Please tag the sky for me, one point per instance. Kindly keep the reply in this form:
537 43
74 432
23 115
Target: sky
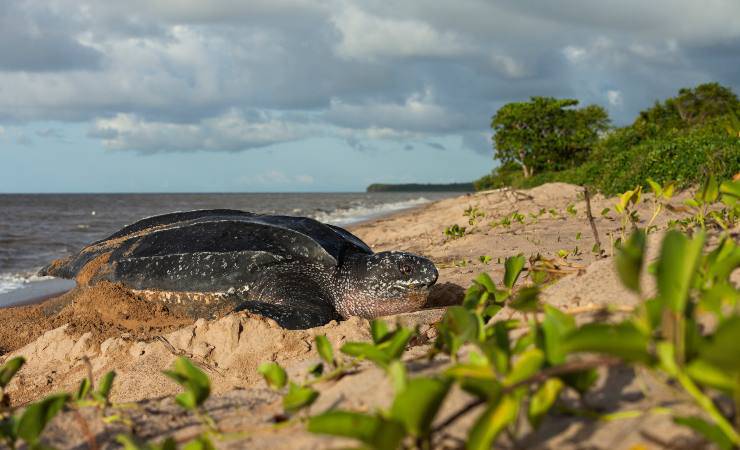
298 95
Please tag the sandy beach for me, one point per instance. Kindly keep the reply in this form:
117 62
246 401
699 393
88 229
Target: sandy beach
107 328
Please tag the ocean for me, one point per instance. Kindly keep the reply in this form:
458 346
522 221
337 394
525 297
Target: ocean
37 228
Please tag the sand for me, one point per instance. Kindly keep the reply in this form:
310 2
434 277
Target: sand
106 328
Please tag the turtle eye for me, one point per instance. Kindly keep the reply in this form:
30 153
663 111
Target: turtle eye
405 269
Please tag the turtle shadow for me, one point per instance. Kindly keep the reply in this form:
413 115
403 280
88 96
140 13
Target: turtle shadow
445 294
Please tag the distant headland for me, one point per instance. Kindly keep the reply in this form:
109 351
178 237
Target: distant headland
417 187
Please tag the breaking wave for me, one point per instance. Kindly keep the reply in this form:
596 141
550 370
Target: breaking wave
360 211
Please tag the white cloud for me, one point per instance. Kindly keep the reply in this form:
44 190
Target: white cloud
614 97
2 131
508 66
418 113
227 132
367 36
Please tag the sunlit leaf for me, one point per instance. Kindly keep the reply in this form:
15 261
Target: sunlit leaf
629 260
374 431
555 326
417 405
709 430
323 346
274 375
37 415
525 366
676 269
9 369
543 399
513 267
721 348
200 442
708 375
491 422
299 397
378 330
622 340
196 383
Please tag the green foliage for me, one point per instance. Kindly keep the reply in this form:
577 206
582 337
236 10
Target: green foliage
274 375
683 140
9 369
474 214
455 231
196 383
546 133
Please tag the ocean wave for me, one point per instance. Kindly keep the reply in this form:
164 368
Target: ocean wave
354 214
13 281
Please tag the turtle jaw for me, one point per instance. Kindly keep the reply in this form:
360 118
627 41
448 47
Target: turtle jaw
370 306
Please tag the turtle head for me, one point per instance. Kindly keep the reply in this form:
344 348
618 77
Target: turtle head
384 283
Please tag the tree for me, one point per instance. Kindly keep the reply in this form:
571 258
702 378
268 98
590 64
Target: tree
691 107
546 133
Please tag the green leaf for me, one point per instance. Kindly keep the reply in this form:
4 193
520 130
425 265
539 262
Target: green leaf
513 267
526 300
709 191
374 431
397 374
655 187
37 415
394 346
489 424
730 188
581 381
196 383
484 280
299 397
629 260
623 340
378 330
417 405
721 349
367 351
105 384
709 430
9 369
200 442
324 348
555 326
83 390
274 375
677 267
457 327
706 374
525 366
543 399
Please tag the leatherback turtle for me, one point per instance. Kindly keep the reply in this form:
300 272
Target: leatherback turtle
298 271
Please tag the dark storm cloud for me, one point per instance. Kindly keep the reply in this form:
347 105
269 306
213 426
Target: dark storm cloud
188 75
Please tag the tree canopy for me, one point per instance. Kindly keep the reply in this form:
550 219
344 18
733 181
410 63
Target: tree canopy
691 107
546 133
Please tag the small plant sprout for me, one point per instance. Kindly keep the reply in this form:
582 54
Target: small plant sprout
473 214
455 231
661 195
485 259
626 207
571 210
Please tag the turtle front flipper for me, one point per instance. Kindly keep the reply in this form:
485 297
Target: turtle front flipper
287 316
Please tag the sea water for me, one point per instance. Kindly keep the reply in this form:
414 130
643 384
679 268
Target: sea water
38 228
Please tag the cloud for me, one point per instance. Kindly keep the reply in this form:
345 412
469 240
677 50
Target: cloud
32 39
614 97
228 132
367 36
186 75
